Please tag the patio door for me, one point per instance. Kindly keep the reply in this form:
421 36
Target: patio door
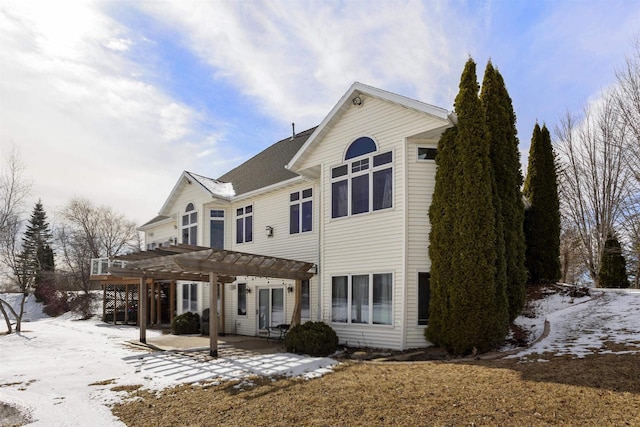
270 307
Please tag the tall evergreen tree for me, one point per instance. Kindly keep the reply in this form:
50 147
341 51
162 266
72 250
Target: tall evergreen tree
613 267
441 237
464 313
542 217
505 161
37 254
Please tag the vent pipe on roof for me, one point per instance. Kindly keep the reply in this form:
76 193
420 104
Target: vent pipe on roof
293 129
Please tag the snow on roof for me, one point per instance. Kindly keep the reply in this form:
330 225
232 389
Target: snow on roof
215 187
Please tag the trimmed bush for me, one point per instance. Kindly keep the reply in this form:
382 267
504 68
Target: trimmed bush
312 338
186 323
82 304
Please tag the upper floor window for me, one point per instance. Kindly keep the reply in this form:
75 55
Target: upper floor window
360 147
190 225
426 153
244 224
362 185
301 211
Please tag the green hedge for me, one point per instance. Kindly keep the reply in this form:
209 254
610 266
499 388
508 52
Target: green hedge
186 323
312 338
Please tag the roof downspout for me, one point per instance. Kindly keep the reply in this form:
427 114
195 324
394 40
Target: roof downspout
405 184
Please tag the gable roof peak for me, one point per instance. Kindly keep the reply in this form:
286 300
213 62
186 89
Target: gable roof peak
351 98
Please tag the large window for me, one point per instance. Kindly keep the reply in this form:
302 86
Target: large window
424 296
190 226
364 184
244 224
216 232
301 211
189 297
362 299
242 299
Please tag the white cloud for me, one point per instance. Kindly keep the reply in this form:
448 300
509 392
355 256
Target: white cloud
297 58
82 123
119 45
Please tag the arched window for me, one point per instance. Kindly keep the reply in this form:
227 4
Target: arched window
360 146
190 225
364 184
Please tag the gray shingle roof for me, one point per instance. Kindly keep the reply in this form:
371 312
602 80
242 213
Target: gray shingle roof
268 166
154 220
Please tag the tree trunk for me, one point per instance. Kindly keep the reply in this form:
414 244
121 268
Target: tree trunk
19 318
6 316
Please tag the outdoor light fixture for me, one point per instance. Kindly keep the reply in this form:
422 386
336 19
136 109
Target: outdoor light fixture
357 101
289 288
248 290
269 231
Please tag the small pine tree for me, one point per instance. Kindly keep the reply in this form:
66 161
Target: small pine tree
37 256
542 217
505 161
613 267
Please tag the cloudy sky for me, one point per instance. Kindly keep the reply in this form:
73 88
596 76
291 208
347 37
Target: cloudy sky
112 100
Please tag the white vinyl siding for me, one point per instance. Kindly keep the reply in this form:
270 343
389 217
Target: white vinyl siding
420 187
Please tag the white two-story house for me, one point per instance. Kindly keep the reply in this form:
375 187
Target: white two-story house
350 196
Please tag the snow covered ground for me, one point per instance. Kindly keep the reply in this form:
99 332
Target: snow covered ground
602 323
60 371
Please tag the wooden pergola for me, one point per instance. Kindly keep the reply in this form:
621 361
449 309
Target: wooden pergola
201 264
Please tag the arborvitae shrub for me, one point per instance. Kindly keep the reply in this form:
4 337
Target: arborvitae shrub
312 338
613 267
186 323
542 218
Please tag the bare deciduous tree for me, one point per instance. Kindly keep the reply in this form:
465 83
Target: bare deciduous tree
595 179
14 189
571 255
628 103
89 232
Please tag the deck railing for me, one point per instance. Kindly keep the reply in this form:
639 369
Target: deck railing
100 266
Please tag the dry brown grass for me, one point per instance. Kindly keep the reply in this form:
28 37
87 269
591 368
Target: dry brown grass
598 390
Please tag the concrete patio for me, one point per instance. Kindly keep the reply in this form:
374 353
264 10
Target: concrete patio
227 345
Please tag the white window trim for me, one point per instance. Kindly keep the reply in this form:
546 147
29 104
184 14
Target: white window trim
370 171
370 324
418 299
220 219
246 300
244 216
190 224
299 202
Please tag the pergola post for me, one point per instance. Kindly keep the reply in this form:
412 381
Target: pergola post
126 304
172 299
222 310
159 305
297 306
152 301
213 314
142 309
